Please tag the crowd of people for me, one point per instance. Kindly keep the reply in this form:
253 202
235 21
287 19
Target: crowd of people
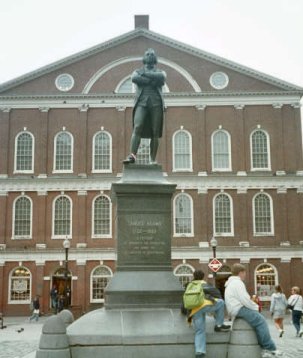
239 304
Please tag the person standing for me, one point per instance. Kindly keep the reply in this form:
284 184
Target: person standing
197 316
36 309
54 298
240 305
296 301
277 308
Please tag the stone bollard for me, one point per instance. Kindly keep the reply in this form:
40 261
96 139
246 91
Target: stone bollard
53 341
243 341
67 317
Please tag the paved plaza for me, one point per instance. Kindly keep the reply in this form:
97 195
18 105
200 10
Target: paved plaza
14 344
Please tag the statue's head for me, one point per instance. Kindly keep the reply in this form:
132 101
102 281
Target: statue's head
150 57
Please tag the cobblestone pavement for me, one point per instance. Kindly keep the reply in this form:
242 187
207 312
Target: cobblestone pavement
24 344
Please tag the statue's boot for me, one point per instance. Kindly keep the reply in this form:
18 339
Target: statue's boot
130 159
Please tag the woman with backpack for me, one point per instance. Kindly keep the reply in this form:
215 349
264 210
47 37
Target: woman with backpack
277 308
295 304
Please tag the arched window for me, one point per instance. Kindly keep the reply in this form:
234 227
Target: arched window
183 215
182 151
19 286
100 277
223 215
266 278
143 155
221 151
22 218
184 273
63 156
102 152
102 217
263 215
260 150
24 153
62 217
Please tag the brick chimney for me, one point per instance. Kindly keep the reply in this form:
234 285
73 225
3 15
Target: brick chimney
142 21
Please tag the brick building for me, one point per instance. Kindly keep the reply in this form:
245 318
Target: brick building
232 142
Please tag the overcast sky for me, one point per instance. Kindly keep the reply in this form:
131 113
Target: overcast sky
266 35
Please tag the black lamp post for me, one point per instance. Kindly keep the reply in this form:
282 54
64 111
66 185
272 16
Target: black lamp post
66 245
214 244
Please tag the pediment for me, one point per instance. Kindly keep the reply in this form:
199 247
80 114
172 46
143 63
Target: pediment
101 68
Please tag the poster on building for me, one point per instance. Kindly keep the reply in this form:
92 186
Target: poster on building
20 285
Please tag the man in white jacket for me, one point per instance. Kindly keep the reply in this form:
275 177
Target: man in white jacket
239 304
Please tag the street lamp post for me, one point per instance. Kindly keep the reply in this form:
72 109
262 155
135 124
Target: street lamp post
66 245
214 244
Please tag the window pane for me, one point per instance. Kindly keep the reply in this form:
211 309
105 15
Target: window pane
63 151
183 215
223 214
20 285
266 279
221 155
102 152
143 152
185 274
126 87
62 216
22 225
100 279
259 150
182 150
24 152
262 214
102 216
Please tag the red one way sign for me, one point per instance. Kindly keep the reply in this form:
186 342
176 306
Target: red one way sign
215 265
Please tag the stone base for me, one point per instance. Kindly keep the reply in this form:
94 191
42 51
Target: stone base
143 289
148 333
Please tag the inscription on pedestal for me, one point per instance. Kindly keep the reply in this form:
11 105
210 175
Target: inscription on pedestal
143 239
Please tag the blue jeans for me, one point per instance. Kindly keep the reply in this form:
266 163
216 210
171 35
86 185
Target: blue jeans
258 322
199 323
296 318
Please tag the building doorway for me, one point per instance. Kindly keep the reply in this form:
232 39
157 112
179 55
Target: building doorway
221 277
61 281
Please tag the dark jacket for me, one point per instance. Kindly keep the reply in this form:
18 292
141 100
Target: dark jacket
159 82
36 304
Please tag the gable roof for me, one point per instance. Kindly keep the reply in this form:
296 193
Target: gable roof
161 39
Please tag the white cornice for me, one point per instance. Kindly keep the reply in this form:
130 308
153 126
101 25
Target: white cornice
186 182
180 99
81 256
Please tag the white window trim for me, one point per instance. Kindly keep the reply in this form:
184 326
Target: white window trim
23 302
181 265
109 236
190 169
265 298
192 216
228 234
214 169
55 154
19 237
55 237
91 284
111 154
268 151
121 83
272 231
33 154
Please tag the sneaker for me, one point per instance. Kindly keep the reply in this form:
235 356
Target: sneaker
130 159
222 328
281 333
301 334
200 355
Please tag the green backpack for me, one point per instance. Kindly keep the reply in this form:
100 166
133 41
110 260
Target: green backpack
194 295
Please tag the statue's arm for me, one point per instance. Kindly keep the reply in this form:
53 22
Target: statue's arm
157 77
139 79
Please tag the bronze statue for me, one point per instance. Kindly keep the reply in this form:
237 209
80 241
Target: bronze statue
148 109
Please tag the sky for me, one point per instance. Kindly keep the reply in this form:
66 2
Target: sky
266 35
